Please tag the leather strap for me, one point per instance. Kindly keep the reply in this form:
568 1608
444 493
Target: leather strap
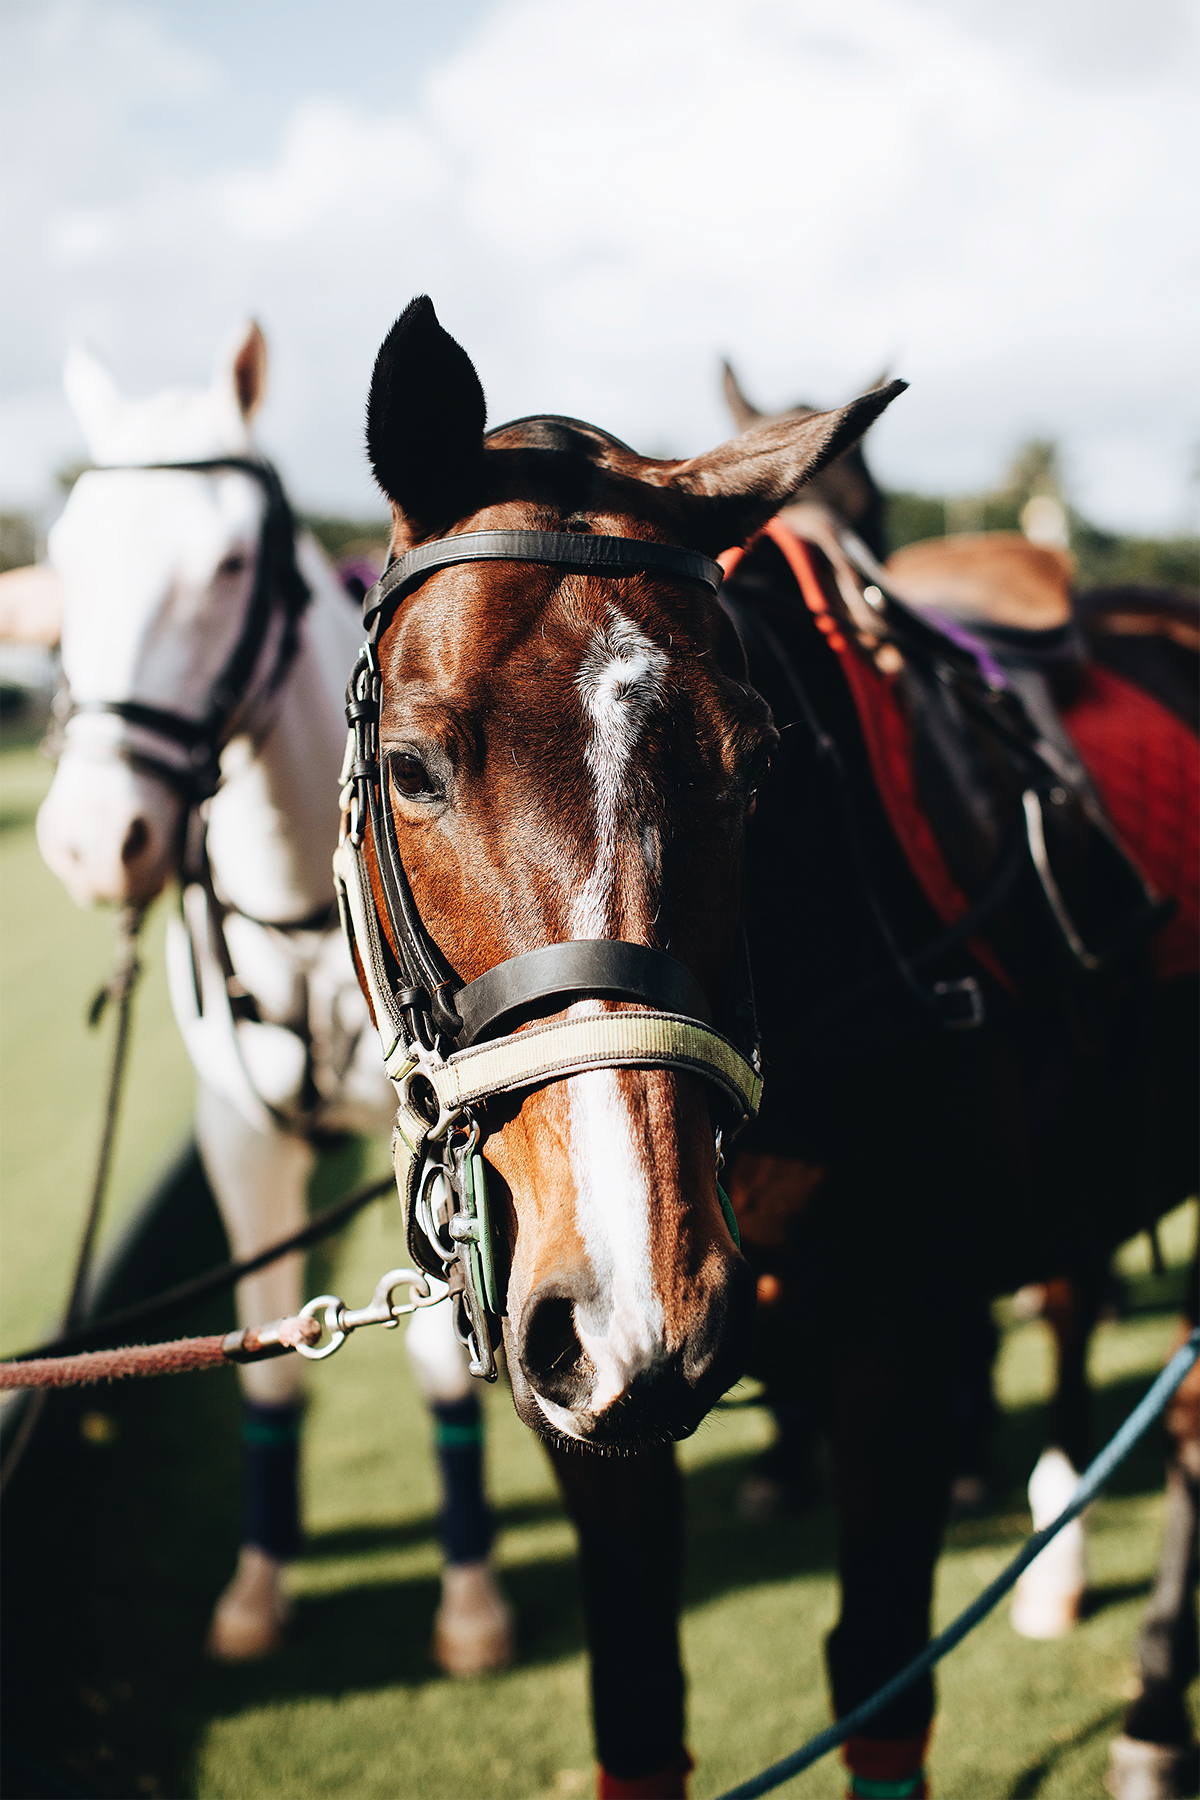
566 550
648 1040
598 968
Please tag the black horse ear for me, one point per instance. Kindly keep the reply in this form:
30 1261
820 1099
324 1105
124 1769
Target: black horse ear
425 419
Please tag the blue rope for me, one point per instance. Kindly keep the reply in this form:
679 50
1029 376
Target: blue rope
1092 1480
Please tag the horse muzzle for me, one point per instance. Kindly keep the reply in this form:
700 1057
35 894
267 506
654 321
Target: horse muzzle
580 1371
109 833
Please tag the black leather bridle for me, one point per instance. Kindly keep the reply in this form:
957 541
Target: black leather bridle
277 583
449 1045
432 1002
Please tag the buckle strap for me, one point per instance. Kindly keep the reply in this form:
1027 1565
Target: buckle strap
592 555
572 1047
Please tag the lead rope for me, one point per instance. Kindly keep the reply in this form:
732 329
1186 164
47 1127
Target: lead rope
119 989
1090 1484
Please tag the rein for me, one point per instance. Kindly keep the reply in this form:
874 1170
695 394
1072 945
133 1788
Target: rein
438 1035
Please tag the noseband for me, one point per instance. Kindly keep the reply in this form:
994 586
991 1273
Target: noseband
276 580
439 1036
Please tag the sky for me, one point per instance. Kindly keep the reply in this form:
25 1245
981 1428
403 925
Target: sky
992 198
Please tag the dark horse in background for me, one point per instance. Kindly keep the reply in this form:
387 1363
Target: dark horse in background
1119 668
586 757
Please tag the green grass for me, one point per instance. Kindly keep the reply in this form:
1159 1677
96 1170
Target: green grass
54 1070
122 1526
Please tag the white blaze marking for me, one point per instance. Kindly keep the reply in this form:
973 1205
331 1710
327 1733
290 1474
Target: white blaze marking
620 681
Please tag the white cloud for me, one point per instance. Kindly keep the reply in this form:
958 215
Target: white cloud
602 204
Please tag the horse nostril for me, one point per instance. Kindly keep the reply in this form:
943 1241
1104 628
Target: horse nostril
137 841
552 1356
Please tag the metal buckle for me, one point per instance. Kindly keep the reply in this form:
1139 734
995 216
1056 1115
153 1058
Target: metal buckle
960 1004
340 1320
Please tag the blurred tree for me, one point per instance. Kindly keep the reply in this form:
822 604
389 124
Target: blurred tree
18 540
1104 558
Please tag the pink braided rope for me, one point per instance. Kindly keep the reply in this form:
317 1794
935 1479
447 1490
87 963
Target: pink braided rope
173 1358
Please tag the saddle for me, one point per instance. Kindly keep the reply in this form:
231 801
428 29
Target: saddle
985 721
1109 677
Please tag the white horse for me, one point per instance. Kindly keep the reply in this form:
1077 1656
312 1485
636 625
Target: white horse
206 647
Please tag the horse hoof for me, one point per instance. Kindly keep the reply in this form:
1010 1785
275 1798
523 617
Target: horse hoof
251 1617
1142 1771
473 1631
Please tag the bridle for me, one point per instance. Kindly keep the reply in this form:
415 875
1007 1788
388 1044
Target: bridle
441 1042
278 583
280 593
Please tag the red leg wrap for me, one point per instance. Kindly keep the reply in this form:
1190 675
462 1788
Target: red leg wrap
884 1768
664 1784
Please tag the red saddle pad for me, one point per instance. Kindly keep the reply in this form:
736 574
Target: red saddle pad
1146 764
1144 761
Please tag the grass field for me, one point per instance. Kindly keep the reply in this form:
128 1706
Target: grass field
122 1525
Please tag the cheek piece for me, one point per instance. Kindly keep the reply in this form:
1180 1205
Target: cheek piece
448 1045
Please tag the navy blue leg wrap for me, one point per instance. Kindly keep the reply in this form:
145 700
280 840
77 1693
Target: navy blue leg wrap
270 1495
466 1526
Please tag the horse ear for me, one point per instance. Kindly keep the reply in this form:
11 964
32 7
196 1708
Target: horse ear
242 367
94 397
745 482
744 415
425 420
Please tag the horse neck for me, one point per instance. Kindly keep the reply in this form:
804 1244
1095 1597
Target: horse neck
273 825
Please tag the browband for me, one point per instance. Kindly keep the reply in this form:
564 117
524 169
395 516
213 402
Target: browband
566 549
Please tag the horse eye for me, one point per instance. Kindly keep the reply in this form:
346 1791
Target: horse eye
231 566
758 768
410 775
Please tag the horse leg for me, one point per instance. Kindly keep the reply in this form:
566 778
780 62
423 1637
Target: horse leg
628 1514
1049 1595
972 1406
769 1194
1156 1756
260 1182
889 1417
473 1630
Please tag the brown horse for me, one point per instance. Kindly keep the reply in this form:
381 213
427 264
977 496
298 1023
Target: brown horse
567 757
574 758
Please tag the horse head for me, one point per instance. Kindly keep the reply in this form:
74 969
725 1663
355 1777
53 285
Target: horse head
157 570
574 756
